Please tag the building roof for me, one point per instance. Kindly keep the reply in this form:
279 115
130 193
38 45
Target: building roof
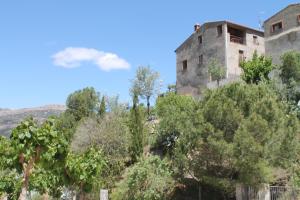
222 22
289 6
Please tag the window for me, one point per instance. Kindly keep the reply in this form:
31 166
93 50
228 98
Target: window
298 19
276 27
200 39
219 30
241 56
184 65
200 60
255 40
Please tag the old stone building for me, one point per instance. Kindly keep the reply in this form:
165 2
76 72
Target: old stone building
224 41
282 32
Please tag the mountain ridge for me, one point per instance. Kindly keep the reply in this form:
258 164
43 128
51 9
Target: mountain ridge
10 118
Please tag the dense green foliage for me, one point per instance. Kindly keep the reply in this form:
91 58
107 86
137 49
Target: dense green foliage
85 169
290 68
83 103
256 69
149 179
237 133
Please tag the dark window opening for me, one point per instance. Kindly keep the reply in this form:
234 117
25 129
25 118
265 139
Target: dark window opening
298 19
255 40
237 35
201 60
276 27
220 30
241 56
200 39
184 65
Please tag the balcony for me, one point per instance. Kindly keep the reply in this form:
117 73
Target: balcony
237 35
236 39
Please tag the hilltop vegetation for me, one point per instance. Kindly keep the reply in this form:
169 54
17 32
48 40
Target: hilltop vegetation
11 118
242 133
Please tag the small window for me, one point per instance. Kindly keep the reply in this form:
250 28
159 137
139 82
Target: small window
255 40
241 56
200 60
298 19
200 39
184 65
276 27
220 30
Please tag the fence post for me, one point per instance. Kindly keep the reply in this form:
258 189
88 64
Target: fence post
103 194
264 192
239 191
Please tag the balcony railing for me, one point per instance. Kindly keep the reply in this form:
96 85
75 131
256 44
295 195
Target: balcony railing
236 39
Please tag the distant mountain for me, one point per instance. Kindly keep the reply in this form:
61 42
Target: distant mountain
10 118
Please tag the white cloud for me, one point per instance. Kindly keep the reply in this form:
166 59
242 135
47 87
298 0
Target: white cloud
72 57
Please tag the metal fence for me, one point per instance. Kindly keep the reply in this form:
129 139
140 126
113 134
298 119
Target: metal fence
284 193
268 193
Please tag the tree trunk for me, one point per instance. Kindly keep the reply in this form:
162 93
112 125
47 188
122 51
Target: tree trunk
23 192
45 196
148 105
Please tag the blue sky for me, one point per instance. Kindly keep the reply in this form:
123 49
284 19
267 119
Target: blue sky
38 38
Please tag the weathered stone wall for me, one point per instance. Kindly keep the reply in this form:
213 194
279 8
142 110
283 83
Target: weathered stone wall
288 38
195 78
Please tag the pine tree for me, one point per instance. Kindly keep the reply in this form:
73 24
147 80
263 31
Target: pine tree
136 130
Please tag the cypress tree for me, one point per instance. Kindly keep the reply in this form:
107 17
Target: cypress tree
102 109
136 130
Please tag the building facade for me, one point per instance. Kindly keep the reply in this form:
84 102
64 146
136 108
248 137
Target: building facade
226 42
282 32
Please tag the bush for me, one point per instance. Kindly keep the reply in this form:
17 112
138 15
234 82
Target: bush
149 179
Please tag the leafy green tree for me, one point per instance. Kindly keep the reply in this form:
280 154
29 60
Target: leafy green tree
290 77
242 133
83 103
111 135
136 130
149 179
33 145
85 169
256 69
290 68
175 113
102 109
10 184
145 84
216 71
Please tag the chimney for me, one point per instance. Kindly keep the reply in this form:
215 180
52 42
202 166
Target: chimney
197 27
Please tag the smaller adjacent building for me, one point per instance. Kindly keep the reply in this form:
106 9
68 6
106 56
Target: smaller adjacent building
226 42
282 32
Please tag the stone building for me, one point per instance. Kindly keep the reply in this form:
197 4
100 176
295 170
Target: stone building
224 41
282 32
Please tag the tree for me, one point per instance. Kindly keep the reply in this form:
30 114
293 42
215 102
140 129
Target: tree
145 84
290 76
256 69
102 109
136 130
175 113
149 179
111 136
85 169
290 68
216 71
83 103
34 145
242 133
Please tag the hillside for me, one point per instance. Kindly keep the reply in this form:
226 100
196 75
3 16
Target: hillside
10 118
